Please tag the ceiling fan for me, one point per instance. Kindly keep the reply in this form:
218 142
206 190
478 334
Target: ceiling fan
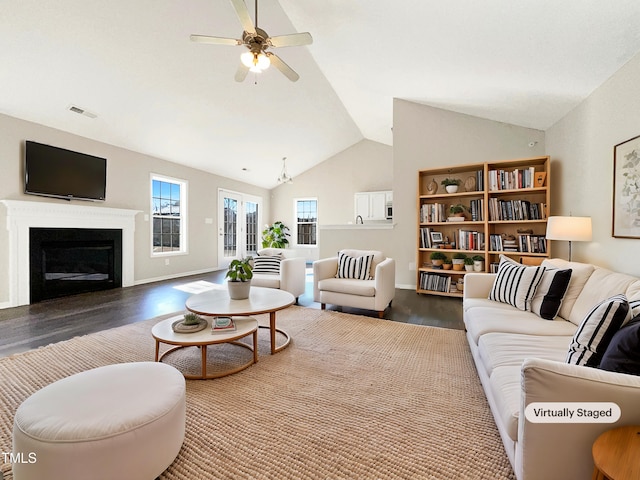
257 41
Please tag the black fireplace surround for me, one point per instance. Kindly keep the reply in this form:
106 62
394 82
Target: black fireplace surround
66 261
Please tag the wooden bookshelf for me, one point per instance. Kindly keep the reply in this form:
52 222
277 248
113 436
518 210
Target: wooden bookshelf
507 210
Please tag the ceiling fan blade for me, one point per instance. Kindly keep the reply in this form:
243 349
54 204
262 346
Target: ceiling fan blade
241 73
286 70
215 40
293 40
243 15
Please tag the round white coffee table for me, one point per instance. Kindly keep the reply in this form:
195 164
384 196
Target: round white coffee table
261 300
163 333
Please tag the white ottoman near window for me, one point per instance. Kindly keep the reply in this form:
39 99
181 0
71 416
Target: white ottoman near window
120 421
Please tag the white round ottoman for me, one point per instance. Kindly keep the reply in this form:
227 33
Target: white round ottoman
119 421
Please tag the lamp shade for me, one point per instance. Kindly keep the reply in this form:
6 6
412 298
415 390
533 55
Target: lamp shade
573 229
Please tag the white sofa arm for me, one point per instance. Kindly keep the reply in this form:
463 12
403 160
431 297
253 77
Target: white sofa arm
292 275
478 285
385 277
322 269
563 450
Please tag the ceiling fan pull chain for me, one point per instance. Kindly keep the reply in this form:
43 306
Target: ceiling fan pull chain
256 13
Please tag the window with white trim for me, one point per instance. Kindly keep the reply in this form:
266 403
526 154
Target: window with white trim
168 212
306 214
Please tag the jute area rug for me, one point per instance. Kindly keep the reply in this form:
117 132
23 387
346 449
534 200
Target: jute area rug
352 397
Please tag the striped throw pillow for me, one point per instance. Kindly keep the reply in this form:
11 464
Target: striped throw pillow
516 284
596 331
354 267
548 298
269 264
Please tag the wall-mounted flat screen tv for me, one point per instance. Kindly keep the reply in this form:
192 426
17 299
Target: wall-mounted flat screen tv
56 172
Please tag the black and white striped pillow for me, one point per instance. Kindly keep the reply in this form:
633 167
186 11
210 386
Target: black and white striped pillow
596 331
269 264
516 284
548 298
354 267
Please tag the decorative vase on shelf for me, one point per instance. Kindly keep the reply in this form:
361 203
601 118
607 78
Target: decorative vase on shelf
478 266
432 187
451 188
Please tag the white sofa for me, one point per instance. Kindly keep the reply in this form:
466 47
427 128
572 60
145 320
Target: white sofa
373 294
520 359
292 275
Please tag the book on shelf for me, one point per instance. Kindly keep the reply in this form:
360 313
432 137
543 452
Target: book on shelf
512 179
222 324
435 282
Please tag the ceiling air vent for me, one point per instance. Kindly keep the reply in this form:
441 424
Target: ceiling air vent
82 111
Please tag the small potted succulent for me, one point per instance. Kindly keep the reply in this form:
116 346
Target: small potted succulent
451 184
239 274
458 261
447 264
437 258
478 263
468 264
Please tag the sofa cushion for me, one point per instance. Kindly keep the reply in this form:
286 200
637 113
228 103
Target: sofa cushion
596 330
548 297
623 353
505 387
269 264
480 320
349 286
602 284
580 273
266 280
510 349
358 268
515 284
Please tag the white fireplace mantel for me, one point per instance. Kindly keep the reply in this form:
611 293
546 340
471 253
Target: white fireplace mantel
22 215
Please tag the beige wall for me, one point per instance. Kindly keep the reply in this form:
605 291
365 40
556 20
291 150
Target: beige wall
363 167
582 146
128 180
427 137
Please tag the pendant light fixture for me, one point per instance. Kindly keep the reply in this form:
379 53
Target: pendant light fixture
284 176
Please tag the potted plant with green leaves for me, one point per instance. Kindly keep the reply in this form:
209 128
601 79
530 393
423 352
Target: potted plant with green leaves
239 274
478 263
447 264
458 260
451 184
275 236
437 258
457 212
468 264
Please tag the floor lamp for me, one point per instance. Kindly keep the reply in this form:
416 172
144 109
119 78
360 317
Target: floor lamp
571 229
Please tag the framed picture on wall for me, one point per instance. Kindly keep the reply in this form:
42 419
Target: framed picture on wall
626 189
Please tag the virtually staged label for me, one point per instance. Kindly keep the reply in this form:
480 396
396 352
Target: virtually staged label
572 412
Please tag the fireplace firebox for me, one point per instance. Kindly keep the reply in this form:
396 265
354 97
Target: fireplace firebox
67 261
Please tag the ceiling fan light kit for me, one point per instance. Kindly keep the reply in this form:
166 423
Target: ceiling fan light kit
257 41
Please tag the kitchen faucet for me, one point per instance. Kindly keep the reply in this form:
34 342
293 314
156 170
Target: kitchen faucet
361 221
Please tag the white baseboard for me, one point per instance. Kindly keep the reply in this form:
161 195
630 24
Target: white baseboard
405 286
5 305
177 275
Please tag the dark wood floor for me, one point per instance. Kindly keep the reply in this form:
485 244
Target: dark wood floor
32 326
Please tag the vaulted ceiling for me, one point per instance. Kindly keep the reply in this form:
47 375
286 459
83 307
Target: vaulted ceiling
131 63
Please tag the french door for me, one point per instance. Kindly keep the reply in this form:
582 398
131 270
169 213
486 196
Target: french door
239 218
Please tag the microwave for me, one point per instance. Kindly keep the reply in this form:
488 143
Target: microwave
389 211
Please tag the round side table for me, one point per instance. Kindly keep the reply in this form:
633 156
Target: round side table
616 454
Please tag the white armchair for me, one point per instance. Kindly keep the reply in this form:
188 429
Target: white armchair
291 277
373 294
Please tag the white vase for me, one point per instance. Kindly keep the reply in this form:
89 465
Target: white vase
239 290
478 266
451 188
468 268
